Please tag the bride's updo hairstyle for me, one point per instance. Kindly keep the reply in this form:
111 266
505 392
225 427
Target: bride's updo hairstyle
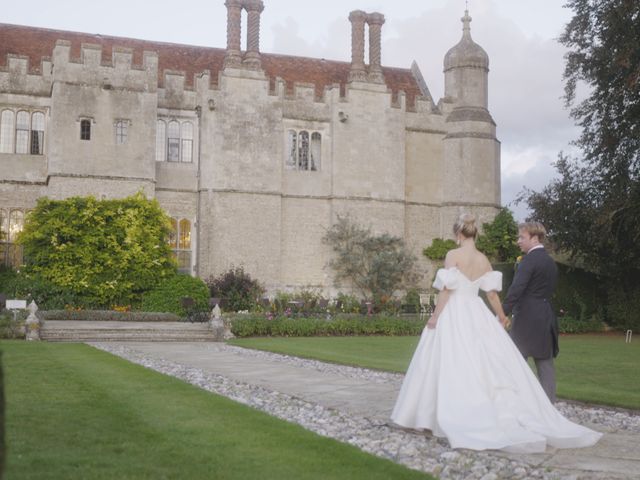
466 225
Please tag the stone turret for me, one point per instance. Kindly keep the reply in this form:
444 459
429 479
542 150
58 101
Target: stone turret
471 150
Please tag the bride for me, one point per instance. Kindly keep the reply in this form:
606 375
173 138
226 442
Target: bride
467 381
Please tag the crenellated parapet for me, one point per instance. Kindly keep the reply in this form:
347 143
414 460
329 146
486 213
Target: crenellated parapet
15 77
90 70
175 94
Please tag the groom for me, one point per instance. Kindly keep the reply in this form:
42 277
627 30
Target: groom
535 327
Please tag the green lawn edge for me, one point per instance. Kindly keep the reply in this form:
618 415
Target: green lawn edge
75 412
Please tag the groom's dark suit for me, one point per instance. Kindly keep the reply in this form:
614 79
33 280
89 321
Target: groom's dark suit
535 326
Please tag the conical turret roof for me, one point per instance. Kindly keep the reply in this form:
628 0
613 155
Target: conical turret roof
466 53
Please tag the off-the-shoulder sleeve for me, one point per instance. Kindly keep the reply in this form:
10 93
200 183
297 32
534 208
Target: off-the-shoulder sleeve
491 281
446 278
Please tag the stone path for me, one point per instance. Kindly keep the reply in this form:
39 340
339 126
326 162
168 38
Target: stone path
359 402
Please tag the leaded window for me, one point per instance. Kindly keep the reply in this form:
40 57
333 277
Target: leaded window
180 243
22 132
121 131
6 131
85 129
303 150
315 153
11 226
187 141
173 141
161 134
37 133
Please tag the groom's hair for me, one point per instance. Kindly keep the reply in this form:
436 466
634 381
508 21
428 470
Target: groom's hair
534 229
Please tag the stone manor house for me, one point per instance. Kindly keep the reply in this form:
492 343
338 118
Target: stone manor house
253 155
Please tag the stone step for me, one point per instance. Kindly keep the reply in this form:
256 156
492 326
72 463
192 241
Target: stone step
86 331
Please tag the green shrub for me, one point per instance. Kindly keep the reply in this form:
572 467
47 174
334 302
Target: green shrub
347 303
46 294
236 290
7 279
438 249
259 326
98 252
623 307
579 293
569 324
10 327
167 297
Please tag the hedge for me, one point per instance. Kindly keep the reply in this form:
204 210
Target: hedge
258 325
108 316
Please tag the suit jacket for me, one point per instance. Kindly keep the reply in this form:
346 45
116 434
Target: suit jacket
534 328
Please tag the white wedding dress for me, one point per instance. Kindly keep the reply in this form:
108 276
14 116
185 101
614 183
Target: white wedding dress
468 382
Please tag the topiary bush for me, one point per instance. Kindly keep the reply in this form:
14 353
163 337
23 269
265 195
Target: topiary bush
167 296
236 289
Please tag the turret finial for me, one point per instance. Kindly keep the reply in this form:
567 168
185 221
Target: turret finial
466 20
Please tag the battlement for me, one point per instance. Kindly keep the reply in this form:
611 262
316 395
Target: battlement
91 69
15 76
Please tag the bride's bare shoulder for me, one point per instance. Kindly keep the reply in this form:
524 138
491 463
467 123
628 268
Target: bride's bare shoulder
451 258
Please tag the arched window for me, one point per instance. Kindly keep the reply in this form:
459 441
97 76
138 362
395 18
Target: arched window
303 150
187 142
85 129
180 244
292 149
173 141
3 238
185 235
6 131
161 145
14 251
121 131
22 132
173 235
316 149
37 133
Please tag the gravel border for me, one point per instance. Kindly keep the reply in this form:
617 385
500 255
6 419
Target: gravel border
410 448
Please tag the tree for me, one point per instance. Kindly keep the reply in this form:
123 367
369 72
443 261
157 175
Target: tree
591 210
106 251
498 238
377 265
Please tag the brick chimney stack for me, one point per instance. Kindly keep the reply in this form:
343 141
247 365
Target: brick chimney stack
375 21
252 58
233 57
357 72
234 25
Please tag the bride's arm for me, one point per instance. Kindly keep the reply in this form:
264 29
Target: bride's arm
496 305
443 297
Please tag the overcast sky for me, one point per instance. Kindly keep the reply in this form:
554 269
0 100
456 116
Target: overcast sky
526 61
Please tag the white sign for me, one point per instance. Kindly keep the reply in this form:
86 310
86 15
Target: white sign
16 304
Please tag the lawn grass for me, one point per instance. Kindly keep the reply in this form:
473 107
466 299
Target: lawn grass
599 369
74 412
